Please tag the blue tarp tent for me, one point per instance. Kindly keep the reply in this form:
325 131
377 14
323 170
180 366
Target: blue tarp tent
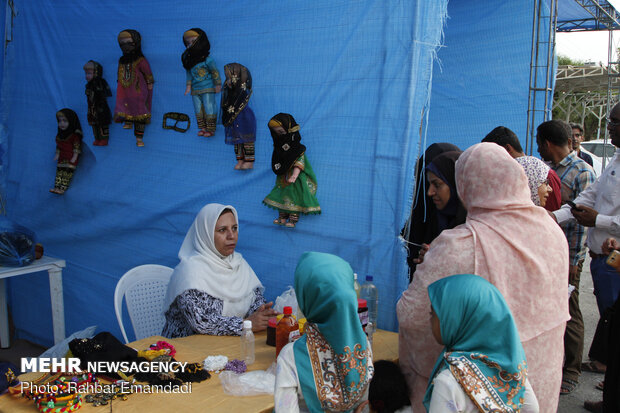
356 76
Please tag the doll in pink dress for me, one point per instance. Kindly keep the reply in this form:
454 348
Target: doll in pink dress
68 149
134 91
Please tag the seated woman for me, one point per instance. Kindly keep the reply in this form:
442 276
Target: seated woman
330 366
213 288
422 225
537 173
514 245
482 367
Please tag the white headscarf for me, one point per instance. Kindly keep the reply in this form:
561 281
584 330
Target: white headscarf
202 267
537 172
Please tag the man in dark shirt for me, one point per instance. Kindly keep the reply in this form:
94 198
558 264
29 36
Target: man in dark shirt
577 139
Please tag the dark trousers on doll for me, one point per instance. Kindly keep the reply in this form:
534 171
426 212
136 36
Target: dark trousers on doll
573 335
102 134
245 152
63 178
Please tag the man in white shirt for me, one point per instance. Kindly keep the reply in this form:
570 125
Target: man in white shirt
598 207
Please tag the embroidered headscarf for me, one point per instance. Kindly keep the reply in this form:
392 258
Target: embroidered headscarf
74 124
236 91
482 346
537 172
202 267
333 358
197 52
453 213
132 50
286 148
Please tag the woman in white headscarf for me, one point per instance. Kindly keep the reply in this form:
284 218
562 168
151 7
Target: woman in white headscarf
213 289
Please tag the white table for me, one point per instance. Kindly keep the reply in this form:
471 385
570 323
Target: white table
54 267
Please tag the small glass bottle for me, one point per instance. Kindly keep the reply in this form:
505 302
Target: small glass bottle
287 330
356 285
247 343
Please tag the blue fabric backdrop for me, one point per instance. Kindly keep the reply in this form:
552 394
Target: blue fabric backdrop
355 75
482 77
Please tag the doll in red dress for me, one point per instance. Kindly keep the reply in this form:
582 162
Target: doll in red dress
68 149
134 91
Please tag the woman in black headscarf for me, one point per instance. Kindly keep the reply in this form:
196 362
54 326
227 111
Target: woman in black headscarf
423 221
295 190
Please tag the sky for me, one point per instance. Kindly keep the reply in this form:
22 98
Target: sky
588 46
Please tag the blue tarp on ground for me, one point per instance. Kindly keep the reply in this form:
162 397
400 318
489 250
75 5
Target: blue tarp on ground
354 74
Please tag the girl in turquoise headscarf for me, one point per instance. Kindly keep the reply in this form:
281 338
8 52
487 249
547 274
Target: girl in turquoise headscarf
330 366
482 367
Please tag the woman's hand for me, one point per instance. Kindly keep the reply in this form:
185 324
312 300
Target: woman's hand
423 252
188 89
260 318
218 89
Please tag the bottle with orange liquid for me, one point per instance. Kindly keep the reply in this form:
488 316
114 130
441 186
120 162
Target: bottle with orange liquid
287 330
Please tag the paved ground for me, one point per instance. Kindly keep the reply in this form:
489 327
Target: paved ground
573 403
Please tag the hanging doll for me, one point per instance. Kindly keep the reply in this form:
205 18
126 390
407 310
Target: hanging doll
97 92
68 148
203 79
295 190
237 117
134 91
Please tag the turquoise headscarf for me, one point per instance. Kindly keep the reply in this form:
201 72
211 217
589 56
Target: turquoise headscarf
481 341
333 359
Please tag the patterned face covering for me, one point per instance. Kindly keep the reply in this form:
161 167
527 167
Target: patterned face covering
236 91
287 147
198 51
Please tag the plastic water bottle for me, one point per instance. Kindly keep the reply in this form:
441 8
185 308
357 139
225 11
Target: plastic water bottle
247 343
356 285
370 293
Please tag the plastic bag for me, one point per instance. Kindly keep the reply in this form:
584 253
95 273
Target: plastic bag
16 244
250 383
288 298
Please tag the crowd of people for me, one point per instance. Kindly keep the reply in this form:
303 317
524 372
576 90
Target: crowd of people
490 321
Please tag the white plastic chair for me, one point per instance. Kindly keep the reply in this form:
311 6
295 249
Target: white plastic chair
144 289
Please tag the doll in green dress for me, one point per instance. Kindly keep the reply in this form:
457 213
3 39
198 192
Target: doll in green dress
295 189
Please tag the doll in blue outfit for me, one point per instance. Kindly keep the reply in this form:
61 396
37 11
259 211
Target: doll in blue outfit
203 79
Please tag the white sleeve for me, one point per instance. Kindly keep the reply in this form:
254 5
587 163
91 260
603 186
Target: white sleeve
285 393
448 397
611 223
530 402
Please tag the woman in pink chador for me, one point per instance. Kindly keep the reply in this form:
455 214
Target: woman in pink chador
513 244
